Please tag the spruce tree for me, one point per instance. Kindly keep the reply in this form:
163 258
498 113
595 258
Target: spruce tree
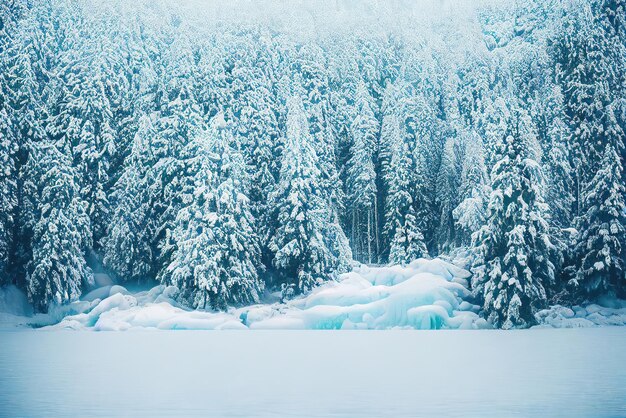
405 238
514 264
215 253
470 213
57 270
303 252
362 185
8 194
130 248
602 241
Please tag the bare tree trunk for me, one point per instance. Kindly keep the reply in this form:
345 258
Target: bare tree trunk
354 241
369 236
376 231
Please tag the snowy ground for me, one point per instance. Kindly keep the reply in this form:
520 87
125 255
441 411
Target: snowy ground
529 373
427 294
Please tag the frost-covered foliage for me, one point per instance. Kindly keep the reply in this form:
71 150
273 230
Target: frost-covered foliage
61 231
215 254
603 230
406 239
514 263
303 256
355 134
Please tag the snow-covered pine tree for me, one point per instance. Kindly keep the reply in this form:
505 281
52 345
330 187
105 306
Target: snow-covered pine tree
602 241
178 122
513 247
57 270
311 82
215 253
553 133
470 213
23 106
361 183
389 132
447 195
590 74
586 71
257 128
129 249
405 238
8 193
303 253
424 138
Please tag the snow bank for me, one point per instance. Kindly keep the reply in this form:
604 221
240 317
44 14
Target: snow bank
153 309
427 294
614 313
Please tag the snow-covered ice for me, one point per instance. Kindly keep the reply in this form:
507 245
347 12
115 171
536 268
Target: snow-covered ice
486 373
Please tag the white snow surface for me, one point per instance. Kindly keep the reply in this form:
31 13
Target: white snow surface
573 373
426 294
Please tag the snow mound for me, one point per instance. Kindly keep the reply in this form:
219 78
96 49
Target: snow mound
614 313
426 294
152 309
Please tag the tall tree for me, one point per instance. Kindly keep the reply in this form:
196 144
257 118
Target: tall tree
514 250
8 194
303 252
216 253
602 241
470 214
61 232
404 235
361 181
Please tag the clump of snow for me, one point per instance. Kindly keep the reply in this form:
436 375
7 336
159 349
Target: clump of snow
426 294
612 313
152 309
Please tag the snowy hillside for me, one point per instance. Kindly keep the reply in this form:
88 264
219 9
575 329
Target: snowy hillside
223 150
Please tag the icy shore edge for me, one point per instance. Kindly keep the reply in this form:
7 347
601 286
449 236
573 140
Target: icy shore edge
426 294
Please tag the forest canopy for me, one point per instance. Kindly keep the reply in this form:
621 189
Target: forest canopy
227 148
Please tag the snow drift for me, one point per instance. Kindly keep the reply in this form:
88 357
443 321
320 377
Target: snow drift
427 294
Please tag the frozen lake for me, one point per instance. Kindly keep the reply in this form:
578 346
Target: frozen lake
551 372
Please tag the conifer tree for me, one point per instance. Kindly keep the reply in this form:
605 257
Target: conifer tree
61 232
470 213
216 253
602 241
514 250
8 194
362 185
405 238
130 248
303 252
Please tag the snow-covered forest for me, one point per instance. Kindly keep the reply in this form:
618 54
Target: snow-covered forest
195 146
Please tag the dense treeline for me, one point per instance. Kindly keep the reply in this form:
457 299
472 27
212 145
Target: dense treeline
236 157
